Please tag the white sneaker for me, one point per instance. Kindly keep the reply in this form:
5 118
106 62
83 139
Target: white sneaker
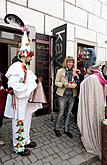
2 142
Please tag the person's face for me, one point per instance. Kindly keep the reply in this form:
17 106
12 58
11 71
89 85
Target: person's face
89 70
70 64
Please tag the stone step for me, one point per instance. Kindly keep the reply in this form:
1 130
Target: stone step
91 161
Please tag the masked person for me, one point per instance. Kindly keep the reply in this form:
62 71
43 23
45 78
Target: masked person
66 82
91 108
21 83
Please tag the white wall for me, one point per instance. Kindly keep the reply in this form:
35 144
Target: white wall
2 8
86 19
29 16
21 2
50 7
92 6
75 15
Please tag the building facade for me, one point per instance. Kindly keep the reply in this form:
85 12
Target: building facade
86 20
86 23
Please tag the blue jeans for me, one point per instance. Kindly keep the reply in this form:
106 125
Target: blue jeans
65 107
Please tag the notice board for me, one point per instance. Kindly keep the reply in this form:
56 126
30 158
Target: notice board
43 68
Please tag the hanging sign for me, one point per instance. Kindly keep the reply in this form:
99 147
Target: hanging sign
59 45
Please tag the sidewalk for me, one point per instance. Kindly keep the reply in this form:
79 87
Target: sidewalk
50 149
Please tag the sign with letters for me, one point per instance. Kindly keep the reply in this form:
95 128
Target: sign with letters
59 54
59 46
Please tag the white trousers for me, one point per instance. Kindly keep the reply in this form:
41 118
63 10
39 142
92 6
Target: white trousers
26 127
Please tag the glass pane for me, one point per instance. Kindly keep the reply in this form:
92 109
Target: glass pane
13 52
12 49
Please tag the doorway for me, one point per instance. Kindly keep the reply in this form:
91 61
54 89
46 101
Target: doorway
3 57
43 69
9 39
7 52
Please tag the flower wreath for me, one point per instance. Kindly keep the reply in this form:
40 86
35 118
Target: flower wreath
26 53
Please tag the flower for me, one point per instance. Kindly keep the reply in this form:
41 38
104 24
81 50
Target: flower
20 123
10 91
25 53
24 67
20 138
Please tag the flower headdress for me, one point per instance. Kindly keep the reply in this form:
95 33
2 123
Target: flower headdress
25 49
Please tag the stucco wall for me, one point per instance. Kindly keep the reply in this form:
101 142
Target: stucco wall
86 19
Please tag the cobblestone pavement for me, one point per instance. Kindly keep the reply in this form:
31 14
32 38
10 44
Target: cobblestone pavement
50 149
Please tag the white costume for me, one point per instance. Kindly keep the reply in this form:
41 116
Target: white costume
91 113
24 110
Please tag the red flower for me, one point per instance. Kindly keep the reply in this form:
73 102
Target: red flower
28 53
21 53
80 56
10 91
24 67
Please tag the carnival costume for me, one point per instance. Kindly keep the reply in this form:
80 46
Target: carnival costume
91 110
21 83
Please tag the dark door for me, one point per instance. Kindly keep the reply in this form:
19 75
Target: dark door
3 57
7 52
43 69
6 55
9 41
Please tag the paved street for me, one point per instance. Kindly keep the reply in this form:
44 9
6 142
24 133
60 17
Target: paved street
50 149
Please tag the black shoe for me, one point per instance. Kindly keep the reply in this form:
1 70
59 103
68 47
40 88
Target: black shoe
68 134
57 133
24 153
30 145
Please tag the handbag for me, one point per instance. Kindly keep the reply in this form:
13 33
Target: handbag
38 95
